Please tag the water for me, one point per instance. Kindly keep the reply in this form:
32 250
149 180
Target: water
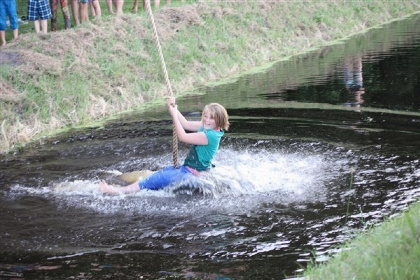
311 157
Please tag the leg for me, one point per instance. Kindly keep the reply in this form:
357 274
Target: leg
54 8
92 9
157 3
119 6
109 4
3 25
97 8
75 11
84 12
66 14
3 37
105 188
135 6
15 33
44 26
36 25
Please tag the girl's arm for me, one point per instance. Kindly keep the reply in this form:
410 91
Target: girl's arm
195 138
189 125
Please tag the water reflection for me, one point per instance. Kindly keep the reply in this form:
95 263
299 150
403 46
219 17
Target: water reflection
353 80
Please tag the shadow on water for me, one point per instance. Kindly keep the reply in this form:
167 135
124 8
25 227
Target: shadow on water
320 146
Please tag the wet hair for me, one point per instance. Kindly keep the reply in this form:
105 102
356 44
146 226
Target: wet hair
219 113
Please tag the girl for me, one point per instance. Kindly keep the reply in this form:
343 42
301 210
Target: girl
205 139
39 12
54 12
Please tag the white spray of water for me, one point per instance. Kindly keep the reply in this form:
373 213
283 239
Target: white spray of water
245 179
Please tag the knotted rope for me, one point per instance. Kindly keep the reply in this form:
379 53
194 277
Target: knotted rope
168 83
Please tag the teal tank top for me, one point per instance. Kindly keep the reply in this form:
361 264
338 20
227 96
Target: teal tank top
200 156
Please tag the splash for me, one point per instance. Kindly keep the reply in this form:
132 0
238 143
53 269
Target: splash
240 178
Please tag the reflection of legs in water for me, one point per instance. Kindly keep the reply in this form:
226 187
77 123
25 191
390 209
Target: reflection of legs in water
353 79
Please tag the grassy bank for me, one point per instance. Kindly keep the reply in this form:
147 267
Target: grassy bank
390 251
98 69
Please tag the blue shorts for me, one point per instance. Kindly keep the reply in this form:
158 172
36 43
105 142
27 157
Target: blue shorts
165 177
39 9
8 8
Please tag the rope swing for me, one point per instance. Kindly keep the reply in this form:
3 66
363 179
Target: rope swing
168 83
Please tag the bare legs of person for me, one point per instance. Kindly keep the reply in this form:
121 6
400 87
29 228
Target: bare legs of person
105 188
3 37
109 5
136 5
41 24
75 11
119 6
92 9
84 12
97 9
15 33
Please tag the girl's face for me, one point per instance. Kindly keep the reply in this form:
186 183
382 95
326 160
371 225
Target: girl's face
208 121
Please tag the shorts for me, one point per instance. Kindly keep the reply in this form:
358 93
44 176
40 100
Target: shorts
165 177
8 8
39 9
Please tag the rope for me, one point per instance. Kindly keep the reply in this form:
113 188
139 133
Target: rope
168 83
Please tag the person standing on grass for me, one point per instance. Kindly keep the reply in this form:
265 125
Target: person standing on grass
204 140
109 4
39 12
54 12
8 9
75 11
136 5
84 9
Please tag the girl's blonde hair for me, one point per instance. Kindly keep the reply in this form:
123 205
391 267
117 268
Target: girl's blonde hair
219 113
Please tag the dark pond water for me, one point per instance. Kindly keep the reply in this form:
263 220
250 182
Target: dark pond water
320 146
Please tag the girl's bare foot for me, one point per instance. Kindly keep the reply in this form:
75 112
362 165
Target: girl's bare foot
105 188
134 9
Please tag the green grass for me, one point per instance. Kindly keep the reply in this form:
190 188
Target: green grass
389 251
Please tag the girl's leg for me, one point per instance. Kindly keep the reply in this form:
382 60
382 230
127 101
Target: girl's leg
75 11
135 6
3 26
92 9
109 4
15 33
3 37
105 188
44 26
97 8
36 25
66 14
54 8
84 12
119 6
